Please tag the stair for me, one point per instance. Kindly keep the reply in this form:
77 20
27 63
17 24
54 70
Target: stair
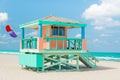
88 59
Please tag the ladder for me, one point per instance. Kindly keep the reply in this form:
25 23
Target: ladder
88 59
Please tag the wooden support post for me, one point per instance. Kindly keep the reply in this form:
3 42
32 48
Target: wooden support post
48 44
35 43
40 30
37 69
43 62
81 45
75 44
83 32
56 44
22 43
59 62
22 33
63 44
68 44
77 62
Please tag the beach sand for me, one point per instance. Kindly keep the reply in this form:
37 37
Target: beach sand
11 70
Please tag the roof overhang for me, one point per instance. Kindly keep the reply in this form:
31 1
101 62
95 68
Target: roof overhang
57 23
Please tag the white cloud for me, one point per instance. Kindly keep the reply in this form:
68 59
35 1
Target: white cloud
96 40
106 22
4 39
100 41
98 28
15 41
3 36
32 34
105 35
106 8
3 17
78 35
103 14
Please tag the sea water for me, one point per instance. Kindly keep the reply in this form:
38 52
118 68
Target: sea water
110 56
9 52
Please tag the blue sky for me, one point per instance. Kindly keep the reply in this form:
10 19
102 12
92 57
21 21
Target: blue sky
102 17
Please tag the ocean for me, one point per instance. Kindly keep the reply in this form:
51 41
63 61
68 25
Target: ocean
9 52
108 56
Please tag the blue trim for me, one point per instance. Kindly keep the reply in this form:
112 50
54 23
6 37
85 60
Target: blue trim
22 33
40 30
83 32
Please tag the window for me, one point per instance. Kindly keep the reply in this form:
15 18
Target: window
58 31
55 31
61 31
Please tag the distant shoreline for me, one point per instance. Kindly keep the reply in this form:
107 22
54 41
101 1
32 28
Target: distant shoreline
13 53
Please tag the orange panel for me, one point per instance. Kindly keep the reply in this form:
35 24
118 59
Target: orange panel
44 31
84 44
42 44
60 45
52 44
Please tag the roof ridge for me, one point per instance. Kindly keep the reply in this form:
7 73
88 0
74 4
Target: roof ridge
57 18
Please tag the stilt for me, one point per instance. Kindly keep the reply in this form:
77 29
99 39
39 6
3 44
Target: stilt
77 62
59 62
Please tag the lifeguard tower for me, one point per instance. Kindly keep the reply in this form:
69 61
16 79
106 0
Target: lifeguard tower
52 49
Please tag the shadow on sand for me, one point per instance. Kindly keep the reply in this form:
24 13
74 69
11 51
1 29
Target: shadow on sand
64 69
97 68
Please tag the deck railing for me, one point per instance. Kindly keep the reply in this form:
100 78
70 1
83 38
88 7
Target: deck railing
72 43
29 43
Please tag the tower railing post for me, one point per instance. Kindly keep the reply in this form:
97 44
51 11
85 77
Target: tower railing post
83 38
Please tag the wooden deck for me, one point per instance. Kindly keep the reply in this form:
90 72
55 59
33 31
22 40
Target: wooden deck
47 51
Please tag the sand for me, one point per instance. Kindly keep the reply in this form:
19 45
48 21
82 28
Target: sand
11 70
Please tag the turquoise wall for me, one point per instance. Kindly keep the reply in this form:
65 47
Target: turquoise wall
31 60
